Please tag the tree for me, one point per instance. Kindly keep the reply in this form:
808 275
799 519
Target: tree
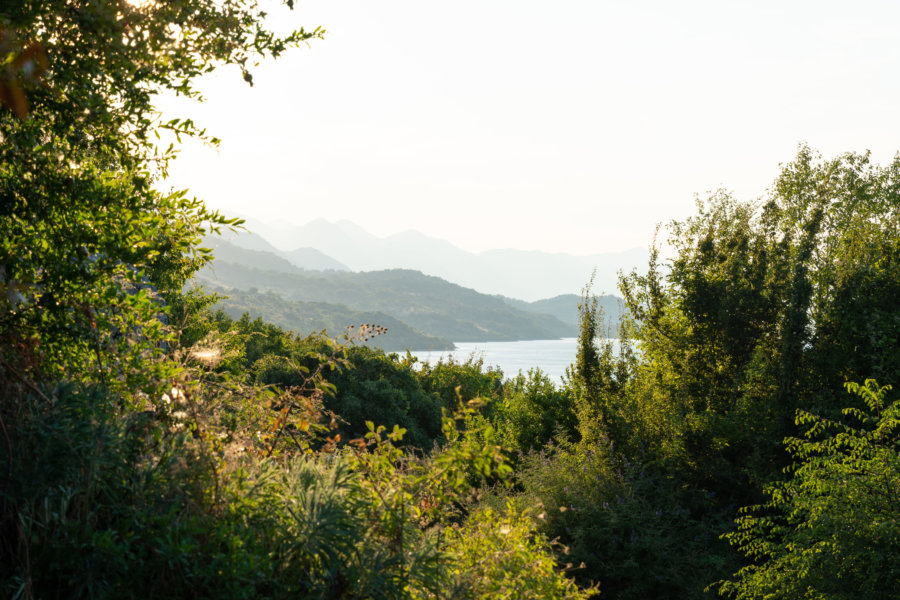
831 529
599 375
91 253
765 308
533 411
89 249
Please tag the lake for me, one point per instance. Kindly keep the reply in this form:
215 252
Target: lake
552 356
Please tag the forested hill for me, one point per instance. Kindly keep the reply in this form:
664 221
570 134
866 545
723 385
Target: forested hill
431 305
565 308
255 251
307 317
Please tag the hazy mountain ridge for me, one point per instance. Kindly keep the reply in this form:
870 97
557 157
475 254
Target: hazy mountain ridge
258 258
530 275
304 258
439 310
565 308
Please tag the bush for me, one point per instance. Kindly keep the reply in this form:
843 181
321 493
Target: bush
454 381
636 533
533 411
501 555
113 505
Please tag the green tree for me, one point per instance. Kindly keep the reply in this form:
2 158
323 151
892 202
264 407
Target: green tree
830 531
89 249
765 308
91 256
599 375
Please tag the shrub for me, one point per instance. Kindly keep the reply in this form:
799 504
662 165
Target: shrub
502 555
635 532
532 411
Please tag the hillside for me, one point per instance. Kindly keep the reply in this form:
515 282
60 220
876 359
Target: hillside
257 258
565 308
530 275
309 317
229 244
429 304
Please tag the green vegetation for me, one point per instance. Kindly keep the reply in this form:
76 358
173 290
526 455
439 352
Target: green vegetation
831 528
154 446
144 452
318 316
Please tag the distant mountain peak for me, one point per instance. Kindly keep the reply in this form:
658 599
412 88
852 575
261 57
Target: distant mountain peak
526 274
352 229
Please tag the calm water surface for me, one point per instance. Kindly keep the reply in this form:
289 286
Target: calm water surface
552 356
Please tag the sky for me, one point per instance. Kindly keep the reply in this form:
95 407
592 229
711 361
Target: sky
566 126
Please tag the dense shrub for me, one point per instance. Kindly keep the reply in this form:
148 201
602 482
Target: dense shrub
453 381
639 535
501 555
532 411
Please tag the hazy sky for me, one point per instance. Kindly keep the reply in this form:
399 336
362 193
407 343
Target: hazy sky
569 126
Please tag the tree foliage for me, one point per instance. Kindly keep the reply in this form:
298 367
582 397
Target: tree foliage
764 308
767 307
830 530
533 411
87 243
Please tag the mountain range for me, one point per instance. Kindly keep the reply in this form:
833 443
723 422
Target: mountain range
528 275
306 289
433 312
